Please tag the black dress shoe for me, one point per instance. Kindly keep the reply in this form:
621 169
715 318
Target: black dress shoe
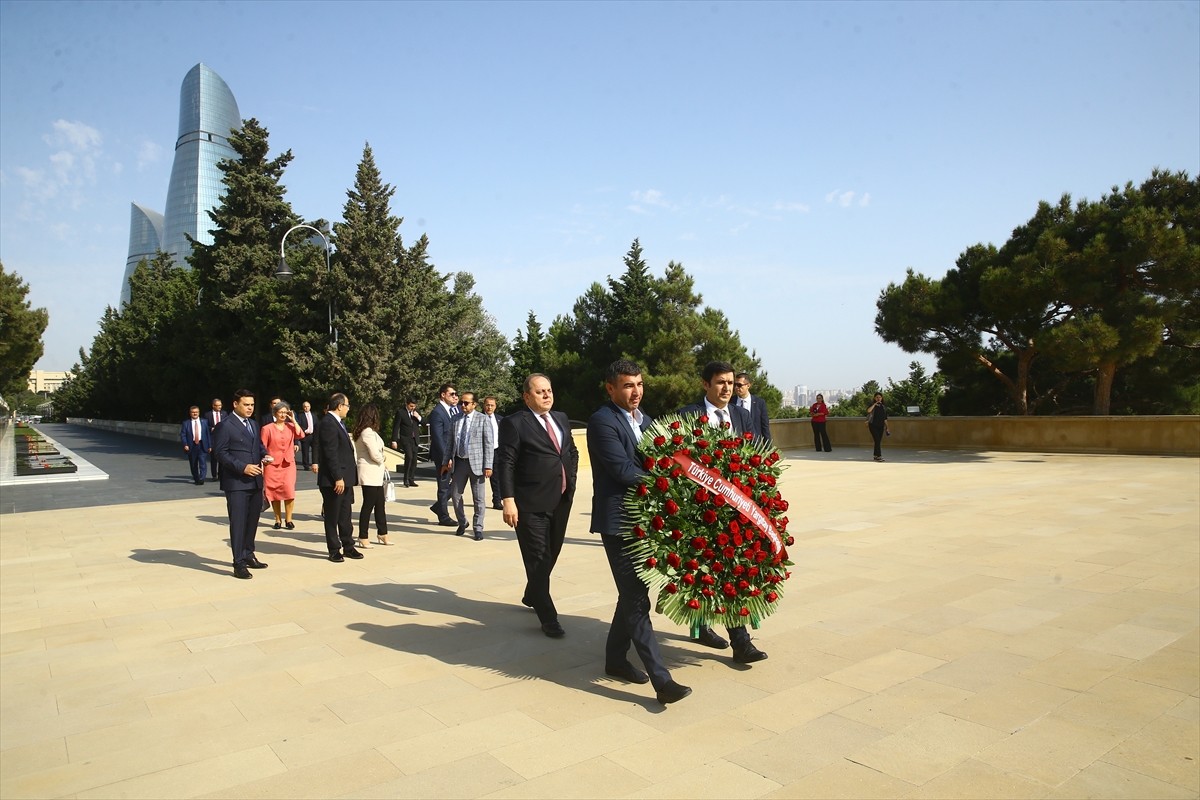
673 692
553 630
277 525
254 563
525 602
461 530
433 507
351 552
336 558
447 523
498 508
748 654
291 526
479 537
627 672
240 571
199 483
710 638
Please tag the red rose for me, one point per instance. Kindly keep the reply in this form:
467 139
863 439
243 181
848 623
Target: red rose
702 419
756 459
676 440
748 436
745 612
707 592
693 603
677 472
657 523
665 463
781 504
718 566
761 556
721 609
743 585
735 467
719 453
642 490
638 532
709 554
651 562
753 571
726 425
701 495
709 516
729 590
708 580
689 579
702 444
675 425
699 542
738 569
790 541
723 539
735 457
729 552
772 597
734 528
676 535
693 564
661 483
718 500
671 507
648 463
706 460
697 432
671 588
673 559
737 540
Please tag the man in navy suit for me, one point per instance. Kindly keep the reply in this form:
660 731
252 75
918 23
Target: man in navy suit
760 422
613 433
214 418
489 411
717 380
193 433
404 438
441 429
242 455
336 478
538 463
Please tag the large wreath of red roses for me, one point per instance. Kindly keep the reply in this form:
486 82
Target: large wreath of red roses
707 525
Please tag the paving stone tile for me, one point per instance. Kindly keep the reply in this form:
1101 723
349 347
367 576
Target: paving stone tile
901 705
787 709
475 776
843 779
596 777
1049 750
786 757
1119 705
1103 780
190 780
1130 641
977 671
974 778
717 778
927 748
1076 669
878 673
333 777
1167 749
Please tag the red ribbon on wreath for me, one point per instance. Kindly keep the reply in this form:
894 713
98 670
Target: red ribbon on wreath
736 497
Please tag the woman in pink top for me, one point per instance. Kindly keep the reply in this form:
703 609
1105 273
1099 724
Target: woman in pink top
817 412
279 477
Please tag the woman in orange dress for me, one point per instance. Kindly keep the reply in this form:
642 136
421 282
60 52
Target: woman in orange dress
279 476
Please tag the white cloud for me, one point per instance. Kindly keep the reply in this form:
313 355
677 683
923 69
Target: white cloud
71 168
651 197
865 200
148 153
76 135
846 199
799 208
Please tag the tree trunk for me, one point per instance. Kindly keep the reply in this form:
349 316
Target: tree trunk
1102 399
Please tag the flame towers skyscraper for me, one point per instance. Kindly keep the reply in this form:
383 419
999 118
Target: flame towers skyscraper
207 114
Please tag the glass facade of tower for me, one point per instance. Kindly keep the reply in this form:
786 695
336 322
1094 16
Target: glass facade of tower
207 114
145 240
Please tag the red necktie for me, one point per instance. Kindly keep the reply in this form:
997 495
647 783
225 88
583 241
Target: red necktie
554 441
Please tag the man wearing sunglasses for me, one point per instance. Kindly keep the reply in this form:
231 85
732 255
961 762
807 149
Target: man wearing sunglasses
441 437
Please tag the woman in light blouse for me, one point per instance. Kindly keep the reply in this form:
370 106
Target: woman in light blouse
368 449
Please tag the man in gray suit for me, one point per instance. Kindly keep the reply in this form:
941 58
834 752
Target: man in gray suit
471 456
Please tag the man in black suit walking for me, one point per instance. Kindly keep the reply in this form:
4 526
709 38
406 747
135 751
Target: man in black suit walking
538 462
489 411
717 380
242 455
214 418
404 438
441 426
756 407
336 477
613 433
306 421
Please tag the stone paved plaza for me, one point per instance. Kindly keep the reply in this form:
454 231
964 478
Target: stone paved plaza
957 625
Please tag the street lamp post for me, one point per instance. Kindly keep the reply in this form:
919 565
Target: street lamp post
284 272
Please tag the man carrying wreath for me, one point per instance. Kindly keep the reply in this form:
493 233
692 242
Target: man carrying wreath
613 433
717 379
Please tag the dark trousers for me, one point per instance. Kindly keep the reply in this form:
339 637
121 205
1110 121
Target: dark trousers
197 461
877 435
244 508
820 437
631 619
445 488
214 466
540 535
409 446
373 500
494 488
306 447
339 530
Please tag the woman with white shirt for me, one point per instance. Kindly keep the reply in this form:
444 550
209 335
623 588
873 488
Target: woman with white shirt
368 450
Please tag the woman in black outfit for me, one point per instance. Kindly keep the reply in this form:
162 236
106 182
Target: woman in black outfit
877 423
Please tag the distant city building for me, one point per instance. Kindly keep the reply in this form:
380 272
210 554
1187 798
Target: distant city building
207 114
44 382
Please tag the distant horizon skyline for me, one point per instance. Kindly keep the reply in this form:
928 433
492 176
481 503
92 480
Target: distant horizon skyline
795 158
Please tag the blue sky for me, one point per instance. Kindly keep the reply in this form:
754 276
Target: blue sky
794 157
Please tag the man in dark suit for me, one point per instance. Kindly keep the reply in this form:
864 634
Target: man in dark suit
306 421
193 433
405 430
717 380
336 478
489 411
538 462
214 418
760 422
441 420
242 454
613 433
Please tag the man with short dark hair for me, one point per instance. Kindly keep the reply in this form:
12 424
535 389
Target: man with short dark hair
214 418
717 380
613 434
242 455
538 463
441 427
760 421
405 430
336 478
472 454
194 435
306 421
489 411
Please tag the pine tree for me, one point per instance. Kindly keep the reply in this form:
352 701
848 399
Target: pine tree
21 329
